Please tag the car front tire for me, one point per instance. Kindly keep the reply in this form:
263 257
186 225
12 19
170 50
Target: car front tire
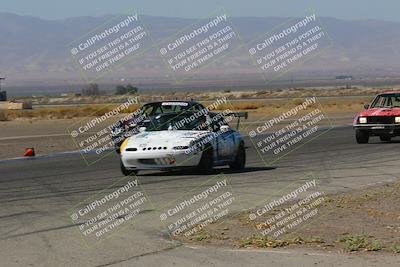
207 160
385 138
127 172
362 136
240 159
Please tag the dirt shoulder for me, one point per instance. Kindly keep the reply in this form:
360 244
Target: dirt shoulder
365 221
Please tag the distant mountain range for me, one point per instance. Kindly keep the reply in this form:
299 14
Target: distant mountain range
33 50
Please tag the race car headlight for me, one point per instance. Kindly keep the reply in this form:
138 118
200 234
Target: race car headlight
397 119
194 144
180 147
362 120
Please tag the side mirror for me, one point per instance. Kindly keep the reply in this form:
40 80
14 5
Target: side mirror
142 129
366 106
224 128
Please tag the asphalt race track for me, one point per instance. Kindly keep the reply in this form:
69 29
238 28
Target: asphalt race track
36 196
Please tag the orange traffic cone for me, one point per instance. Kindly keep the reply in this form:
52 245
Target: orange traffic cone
29 152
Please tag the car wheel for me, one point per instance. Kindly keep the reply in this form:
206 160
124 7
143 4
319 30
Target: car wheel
127 172
207 160
240 159
362 136
385 138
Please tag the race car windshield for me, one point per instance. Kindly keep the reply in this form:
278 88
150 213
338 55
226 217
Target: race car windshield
386 101
182 122
153 109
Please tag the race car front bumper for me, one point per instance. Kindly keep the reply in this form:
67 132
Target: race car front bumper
138 160
379 129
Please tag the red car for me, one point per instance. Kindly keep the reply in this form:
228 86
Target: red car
381 118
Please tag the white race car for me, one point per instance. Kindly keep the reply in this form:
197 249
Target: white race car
187 139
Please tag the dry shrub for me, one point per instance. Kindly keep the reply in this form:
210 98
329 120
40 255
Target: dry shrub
246 95
296 101
247 106
240 106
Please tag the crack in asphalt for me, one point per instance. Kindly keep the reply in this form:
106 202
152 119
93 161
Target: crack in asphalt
140 256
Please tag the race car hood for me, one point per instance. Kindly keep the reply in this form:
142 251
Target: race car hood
164 138
380 112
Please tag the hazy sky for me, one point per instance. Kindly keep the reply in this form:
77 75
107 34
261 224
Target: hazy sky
346 9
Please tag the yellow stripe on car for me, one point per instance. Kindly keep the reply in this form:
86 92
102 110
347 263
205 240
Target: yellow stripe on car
123 146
